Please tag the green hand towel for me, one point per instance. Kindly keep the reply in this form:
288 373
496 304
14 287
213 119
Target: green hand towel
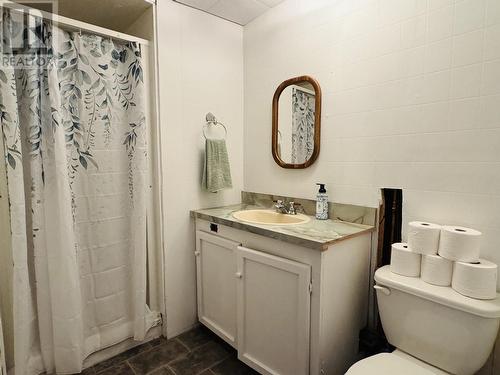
216 171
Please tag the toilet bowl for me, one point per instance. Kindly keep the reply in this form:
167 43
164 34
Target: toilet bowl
435 329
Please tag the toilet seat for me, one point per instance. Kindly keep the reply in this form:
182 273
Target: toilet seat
395 363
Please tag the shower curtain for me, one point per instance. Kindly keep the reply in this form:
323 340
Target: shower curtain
74 130
303 112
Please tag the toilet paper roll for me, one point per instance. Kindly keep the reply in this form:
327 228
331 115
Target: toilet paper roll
436 270
423 237
404 261
475 280
459 244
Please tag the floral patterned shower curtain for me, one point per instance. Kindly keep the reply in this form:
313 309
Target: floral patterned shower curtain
303 112
73 125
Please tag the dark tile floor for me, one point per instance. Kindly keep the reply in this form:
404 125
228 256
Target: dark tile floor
198 351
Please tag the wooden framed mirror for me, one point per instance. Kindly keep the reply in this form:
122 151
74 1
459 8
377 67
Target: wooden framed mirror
296 128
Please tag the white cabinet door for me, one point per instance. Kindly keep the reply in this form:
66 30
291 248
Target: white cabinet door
273 313
216 269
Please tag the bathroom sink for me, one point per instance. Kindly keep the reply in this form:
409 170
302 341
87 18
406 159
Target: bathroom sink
270 217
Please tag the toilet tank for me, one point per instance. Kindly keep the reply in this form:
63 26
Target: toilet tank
436 324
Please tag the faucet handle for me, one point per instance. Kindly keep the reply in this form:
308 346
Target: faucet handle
291 208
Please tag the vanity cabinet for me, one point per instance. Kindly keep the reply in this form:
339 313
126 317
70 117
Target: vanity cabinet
265 298
287 309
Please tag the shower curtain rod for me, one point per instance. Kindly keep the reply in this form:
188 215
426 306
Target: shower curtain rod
72 24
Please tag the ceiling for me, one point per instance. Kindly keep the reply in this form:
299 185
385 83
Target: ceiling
238 11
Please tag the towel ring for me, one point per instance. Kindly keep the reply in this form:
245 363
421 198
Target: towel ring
216 123
211 120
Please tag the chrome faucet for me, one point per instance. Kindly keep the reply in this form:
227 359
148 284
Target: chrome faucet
285 208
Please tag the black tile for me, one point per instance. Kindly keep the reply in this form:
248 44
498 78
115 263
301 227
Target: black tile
157 341
157 357
121 357
200 359
120 369
193 352
88 371
162 371
232 366
196 337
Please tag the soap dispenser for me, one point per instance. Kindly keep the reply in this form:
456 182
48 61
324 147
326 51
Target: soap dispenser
322 203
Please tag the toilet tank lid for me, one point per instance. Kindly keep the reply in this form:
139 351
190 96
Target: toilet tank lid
443 295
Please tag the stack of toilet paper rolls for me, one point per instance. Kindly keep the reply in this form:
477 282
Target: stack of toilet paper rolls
444 256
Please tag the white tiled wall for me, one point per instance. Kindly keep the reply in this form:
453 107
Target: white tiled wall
411 99
200 71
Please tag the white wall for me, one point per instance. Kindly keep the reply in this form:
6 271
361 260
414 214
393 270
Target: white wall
411 99
200 71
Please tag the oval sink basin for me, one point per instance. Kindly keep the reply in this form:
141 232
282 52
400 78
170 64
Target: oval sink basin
270 217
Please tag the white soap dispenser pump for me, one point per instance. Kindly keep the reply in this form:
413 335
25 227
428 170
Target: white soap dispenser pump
322 203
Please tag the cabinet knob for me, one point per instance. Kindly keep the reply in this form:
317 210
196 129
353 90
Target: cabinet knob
197 253
239 275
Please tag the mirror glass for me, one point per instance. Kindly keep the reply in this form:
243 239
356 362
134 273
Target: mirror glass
296 127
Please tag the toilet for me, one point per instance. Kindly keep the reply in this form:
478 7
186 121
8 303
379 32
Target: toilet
435 329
